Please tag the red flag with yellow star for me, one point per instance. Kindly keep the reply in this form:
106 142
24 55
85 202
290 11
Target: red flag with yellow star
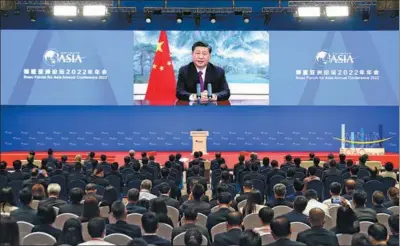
162 83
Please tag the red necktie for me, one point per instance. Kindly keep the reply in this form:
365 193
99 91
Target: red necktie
201 80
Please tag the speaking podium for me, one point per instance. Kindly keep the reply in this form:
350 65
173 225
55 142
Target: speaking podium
199 141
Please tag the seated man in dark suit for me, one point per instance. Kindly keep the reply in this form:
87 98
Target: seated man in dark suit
279 195
150 225
115 172
288 162
254 174
77 173
298 186
394 228
247 189
119 212
215 162
90 190
165 193
164 179
196 176
136 173
378 234
363 213
289 180
354 172
25 212
75 206
224 203
53 190
233 228
133 198
46 215
298 168
203 73
184 198
18 174
274 171
34 179
317 235
195 202
332 171
377 201
190 218
296 215
59 170
280 230
249 238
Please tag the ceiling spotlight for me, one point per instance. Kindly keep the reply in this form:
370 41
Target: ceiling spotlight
337 11
179 18
213 18
197 20
130 17
246 19
65 10
94 10
267 18
32 15
148 18
365 16
309 11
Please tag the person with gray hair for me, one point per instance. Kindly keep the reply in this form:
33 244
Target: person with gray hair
53 190
279 195
145 190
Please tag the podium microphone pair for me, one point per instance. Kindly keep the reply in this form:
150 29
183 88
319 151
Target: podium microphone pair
209 91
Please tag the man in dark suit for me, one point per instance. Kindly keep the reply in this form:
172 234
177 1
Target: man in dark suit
150 225
119 212
332 171
165 193
394 228
75 207
115 172
298 168
186 197
296 215
50 158
280 230
247 189
46 216
289 180
201 72
178 161
164 179
200 206
215 162
196 176
132 156
190 218
288 162
136 173
274 171
254 174
317 235
279 195
153 162
18 174
233 228
59 170
25 212
224 203
53 191
133 197
363 213
90 190
77 173
377 201
298 186
34 179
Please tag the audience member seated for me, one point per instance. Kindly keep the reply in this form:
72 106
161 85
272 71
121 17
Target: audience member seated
279 197
330 158
160 209
346 220
196 202
91 190
25 212
274 171
288 162
103 161
184 198
317 235
96 228
145 170
153 162
46 215
7 200
296 215
394 229
393 194
297 167
266 215
389 171
265 165
350 188
254 174
316 162
145 190
115 172
165 194
53 190
233 228
374 175
127 163
289 180
150 225
119 212
280 230
247 189
71 233
136 175
312 171
75 206
132 158
164 179
360 239
91 160
313 202
341 165
90 209
34 179
98 177
190 219
298 186
349 164
144 203
59 170
222 187
353 175
17 174
332 171
250 238
196 176
378 234
363 213
225 176
3 170
132 206
377 201
9 235
193 237
253 204
334 190
110 196
77 173
224 202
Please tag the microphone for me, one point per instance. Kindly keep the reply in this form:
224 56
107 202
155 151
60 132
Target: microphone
198 90
209 90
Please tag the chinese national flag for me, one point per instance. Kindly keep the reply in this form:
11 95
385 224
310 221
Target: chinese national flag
162 84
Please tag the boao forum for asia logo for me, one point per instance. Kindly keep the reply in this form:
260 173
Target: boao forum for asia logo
53 57
324 57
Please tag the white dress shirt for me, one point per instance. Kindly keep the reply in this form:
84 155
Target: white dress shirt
315 204
145 194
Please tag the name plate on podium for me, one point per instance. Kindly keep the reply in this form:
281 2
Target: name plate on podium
362 151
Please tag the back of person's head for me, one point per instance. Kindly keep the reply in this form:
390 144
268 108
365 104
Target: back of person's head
149 222
290 173
151 158
225 176
196 154
248 185
114 166
312 170
234 219
164 172
332 163
30 158
7 197
241 158
350 185
118 210
25 196
178 156
254 167
280 227
131 153
378 198
145 160
288 158
266 214
143 154
76 195
103 157
280 190
300 204
389 167
158 206
71 233
190 214
90 208
345 218
50 151
297 161
378 233
127 160
90 188
354 170
146 185
349 163
96 227
110 195
92 155
311 155
249 238
193 237
342 157
34 172
38 191
46 214
164 188
9 235
362 160
316 161
393 194
17 164
394 223
254 199
200 153
78 158
137 242
360 239
359 198
311 194
136 166
133 195
317 217
298 185
171 158
224 198
196 169
335 188
274 163
331 157
197 191
53 189
222 187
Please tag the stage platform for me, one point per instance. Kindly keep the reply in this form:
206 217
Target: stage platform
230 157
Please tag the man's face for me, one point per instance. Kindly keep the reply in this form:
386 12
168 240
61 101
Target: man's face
201 56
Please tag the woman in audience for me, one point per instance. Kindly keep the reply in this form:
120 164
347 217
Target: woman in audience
393 194
71 233
47 216
144 203
38 192
346 220
253 204
90 209
160 209
193 237
360 239
7 200
110 196
9 232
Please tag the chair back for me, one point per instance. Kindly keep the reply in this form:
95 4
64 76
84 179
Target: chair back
216 208
134 219
16 186
297 227
384 220
60 220
299 175
173 213
281 210
232 190
241 204
179 240
394 209
24 229
267 239
318 186
134 184
346 176
217 229
100 190
85 232
344 239
3 181
333 214
273 181
251 221
76 183
38 238
118 239
370 187
387 182
35 204
319 173
328 222
289 190
364 226
115 181
363 172
104 211
260 186
164 231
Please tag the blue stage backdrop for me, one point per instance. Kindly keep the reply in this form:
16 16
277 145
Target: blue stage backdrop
274 128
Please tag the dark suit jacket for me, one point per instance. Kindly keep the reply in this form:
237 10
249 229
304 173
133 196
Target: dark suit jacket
279 202
227 238
199 206
99 198
317 236
188 78
178 230
254 175
133 208
201 180
365 214
300 170
242 197
72 209
295 216
382 209
135 175
184 198
286 242
52 201
25 213
18 175
217 217
274 172
393 240
76 175
172 185
99 181
156 240
331 172
132 231
47 229
170 201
